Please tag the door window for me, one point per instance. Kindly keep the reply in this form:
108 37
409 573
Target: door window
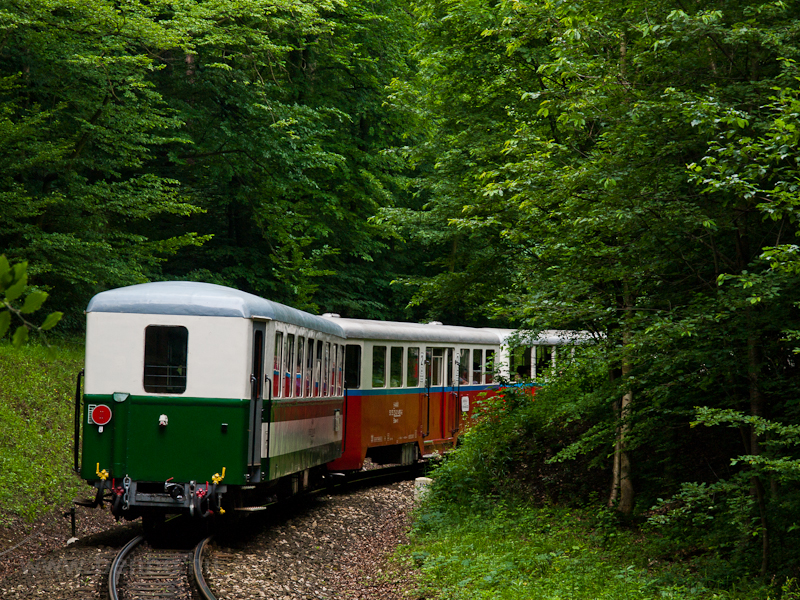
165 358
463 367
412 368
352 365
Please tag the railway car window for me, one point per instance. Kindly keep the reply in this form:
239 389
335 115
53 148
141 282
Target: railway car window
334 367
521 362
463 366
378 366
490 366
477 364
277 365
449 380
165 352
327 371
396 367
298 371
309 369
412 368
544 359
318 372
435 359
340 366
287 391
352 366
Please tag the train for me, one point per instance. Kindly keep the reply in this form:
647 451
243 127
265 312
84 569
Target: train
200 399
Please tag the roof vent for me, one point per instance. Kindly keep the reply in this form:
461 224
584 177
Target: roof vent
435 323
331 315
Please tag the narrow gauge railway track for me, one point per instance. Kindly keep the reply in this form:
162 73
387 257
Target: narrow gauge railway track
344 482
81 572
140 571
379 476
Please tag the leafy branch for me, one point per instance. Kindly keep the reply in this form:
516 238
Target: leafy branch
13 285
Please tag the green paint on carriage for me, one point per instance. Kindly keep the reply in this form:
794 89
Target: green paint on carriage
194 445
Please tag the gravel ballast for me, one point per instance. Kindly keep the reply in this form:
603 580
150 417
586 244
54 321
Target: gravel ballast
326 547
335 547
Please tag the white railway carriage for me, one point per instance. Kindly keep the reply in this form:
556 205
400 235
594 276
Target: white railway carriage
179 392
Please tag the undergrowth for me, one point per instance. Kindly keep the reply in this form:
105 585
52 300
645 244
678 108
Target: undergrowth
37 390
517 512
492 548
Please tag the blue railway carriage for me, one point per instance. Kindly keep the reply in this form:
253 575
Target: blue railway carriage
196 392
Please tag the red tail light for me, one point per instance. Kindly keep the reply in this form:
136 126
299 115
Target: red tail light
101 414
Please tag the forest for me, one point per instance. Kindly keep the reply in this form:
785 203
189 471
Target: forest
630 170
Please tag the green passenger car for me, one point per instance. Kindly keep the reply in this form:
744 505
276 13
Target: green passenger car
199 396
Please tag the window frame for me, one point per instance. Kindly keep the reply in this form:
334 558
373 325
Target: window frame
376 353
148 387
392 364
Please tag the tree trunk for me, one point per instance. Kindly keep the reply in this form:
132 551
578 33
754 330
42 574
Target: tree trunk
622 484
754 390
625 482
614 495
757 410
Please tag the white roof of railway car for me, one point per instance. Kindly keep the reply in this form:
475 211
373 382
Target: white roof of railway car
546 337
203 299
365 329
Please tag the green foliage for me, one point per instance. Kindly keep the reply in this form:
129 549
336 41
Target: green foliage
291 149
13 284
517 438
496 549
83 127
36 425
628 170
246 143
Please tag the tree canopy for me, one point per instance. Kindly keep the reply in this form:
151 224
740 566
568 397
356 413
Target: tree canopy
244 143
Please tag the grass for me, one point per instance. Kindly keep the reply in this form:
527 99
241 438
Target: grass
37 391
493 550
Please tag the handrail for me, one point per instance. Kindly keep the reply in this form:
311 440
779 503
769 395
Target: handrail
345 407
428 399
77 442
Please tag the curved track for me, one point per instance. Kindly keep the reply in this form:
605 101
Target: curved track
140 571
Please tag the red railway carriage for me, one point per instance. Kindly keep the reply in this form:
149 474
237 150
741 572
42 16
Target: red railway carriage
410 386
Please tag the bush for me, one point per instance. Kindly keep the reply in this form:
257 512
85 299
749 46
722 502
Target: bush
510 549
513 439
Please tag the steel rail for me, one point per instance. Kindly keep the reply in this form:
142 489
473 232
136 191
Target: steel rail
383 473
197 566
113 574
